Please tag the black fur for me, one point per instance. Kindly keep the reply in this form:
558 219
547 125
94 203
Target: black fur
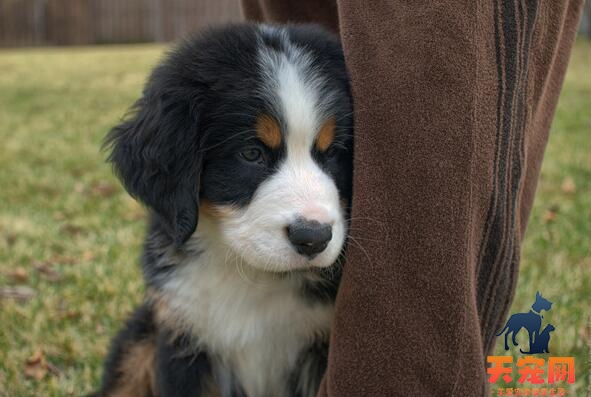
176 149
180 371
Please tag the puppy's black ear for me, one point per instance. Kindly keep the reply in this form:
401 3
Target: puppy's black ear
156 155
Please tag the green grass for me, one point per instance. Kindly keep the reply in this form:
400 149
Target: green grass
60 204
69 232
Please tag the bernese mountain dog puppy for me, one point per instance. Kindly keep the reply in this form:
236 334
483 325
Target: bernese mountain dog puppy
241 148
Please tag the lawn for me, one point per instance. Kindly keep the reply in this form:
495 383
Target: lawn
70 237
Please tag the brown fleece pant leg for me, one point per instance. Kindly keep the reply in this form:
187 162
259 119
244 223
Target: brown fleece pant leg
453 104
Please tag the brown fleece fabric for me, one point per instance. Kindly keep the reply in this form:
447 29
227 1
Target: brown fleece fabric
453 104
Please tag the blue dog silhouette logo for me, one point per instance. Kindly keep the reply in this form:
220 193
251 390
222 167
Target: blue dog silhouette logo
532 322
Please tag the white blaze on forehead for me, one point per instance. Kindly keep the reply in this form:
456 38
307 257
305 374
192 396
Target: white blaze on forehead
298 99
295 85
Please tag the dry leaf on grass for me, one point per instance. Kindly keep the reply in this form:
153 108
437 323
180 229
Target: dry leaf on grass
47 270
71 229
134 216
69 315
103 189
568 186
550 213
88 256
63 260
19 274
79 187
584 332
64 312
37 366
549 216
59 216
10 238
19 293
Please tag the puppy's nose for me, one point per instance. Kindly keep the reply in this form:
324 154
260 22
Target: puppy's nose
309 237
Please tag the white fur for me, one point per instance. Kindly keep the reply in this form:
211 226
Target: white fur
257 322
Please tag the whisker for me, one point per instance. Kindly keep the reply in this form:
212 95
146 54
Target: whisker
361 248
240 269
360 218
370 239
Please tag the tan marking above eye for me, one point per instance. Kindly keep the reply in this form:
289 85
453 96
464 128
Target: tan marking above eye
268 131
326 135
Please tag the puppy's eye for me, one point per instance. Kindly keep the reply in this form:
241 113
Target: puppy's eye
252 154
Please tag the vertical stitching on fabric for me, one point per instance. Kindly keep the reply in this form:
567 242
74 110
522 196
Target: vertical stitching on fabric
481 282
493 202
503 262
512 256
508 253
496 265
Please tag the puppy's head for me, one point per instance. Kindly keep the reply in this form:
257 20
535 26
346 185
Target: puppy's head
251 127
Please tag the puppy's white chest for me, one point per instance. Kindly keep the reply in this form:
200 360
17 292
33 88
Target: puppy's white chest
253 322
